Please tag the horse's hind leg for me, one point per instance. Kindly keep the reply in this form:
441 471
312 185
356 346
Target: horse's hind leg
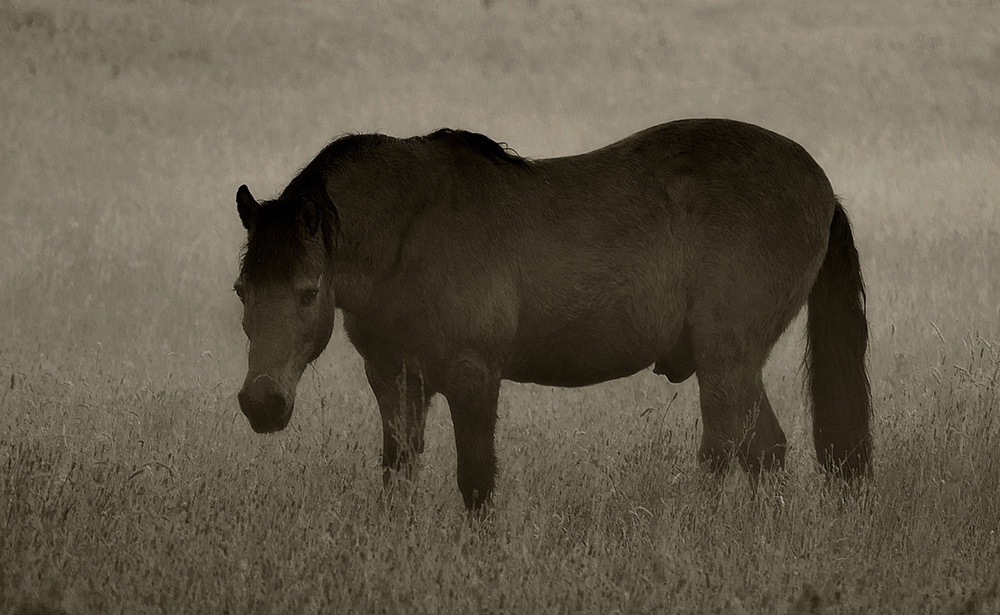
738 419
403 399
742 310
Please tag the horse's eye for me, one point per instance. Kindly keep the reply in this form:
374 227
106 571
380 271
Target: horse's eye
308 297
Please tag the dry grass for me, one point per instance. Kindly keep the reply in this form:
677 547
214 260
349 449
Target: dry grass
130 483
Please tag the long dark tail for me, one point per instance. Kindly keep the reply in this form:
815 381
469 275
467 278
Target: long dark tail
837 331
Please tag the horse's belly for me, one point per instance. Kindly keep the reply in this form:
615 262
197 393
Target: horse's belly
583 322
569 376
579 358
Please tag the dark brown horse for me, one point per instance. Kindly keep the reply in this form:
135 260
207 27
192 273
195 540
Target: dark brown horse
689 246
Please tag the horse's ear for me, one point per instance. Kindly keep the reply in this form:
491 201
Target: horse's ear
247 207
308 217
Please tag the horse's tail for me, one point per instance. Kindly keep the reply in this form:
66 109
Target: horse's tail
837 337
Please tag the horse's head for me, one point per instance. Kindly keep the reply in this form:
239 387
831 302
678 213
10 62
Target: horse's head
288 302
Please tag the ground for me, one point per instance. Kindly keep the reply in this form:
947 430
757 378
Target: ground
130 482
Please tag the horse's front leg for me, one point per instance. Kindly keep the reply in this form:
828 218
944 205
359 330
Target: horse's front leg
472 389
403 398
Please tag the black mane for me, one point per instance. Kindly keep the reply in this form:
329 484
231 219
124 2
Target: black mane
273 255
498 153
343 150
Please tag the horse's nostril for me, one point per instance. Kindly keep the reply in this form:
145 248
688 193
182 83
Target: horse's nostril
266 411
274 404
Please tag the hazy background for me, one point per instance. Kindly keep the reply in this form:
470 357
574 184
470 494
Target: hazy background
127 126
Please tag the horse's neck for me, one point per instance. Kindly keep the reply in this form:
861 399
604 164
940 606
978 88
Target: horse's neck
370 239
353 289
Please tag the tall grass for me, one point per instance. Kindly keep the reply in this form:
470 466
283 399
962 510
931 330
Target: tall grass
130 483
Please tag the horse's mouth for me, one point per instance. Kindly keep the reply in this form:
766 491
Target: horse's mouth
268 414
268 424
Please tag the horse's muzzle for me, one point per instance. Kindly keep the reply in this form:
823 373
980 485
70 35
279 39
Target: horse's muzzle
264 405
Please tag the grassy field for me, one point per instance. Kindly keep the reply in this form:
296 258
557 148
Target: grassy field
130 482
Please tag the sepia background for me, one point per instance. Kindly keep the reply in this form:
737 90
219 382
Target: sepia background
130 482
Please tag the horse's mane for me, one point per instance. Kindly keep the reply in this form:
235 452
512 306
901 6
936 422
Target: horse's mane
496 152
274 254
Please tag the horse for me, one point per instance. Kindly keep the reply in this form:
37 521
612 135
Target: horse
689 246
